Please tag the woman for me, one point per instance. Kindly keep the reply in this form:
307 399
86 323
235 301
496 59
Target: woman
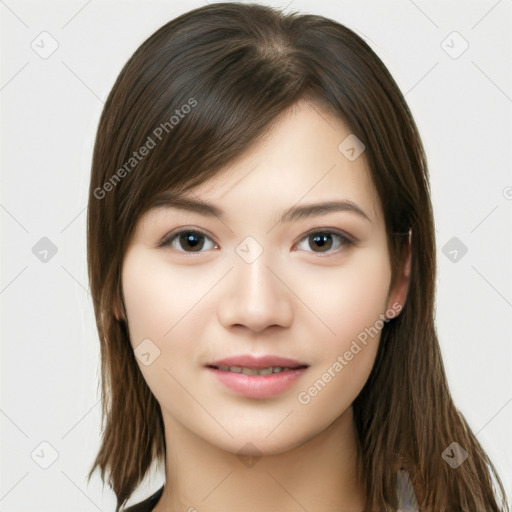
262 256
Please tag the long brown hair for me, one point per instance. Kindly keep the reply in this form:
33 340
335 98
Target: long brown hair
197 95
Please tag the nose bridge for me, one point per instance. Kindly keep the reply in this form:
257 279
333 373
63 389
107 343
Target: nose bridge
255 297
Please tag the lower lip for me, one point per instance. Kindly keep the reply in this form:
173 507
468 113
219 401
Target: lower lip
258 386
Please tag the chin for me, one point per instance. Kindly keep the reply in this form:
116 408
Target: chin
263 439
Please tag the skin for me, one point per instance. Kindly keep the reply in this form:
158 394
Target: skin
297 299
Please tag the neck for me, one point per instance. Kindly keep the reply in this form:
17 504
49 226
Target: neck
318 475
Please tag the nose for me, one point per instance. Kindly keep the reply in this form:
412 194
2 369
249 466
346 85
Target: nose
255 297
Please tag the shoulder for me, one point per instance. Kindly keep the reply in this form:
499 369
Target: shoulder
147 505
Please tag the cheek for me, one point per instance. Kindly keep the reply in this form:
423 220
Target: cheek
158 305
345 365
159 298
363 299
348 299
165 307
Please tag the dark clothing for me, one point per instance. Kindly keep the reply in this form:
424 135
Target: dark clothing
148 504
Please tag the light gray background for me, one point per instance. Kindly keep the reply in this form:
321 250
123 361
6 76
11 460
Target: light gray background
50 111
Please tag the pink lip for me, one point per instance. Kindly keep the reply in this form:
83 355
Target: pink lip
258 386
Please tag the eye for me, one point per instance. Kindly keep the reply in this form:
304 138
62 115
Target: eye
325 240
188 240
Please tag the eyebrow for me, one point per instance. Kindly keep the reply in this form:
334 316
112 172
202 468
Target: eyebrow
291 214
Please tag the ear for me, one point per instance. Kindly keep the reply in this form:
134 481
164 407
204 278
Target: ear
398 295
118 310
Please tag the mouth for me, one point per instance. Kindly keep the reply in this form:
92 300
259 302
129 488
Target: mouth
257 376
256 371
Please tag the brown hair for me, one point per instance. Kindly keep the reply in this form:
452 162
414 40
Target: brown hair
211 83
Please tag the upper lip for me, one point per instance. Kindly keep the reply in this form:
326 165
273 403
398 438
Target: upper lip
258 362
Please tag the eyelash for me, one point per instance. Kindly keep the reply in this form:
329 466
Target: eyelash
344 240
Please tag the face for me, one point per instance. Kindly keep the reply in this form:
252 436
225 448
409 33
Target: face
258 321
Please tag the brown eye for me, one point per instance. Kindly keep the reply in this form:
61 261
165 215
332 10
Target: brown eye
324 241
188 241
192 241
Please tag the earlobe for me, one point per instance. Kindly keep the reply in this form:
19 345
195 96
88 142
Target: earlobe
398 295
118 313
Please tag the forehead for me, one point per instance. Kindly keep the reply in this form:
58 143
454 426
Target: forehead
305 157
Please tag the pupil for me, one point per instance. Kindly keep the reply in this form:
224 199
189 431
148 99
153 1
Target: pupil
321 240
191 241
